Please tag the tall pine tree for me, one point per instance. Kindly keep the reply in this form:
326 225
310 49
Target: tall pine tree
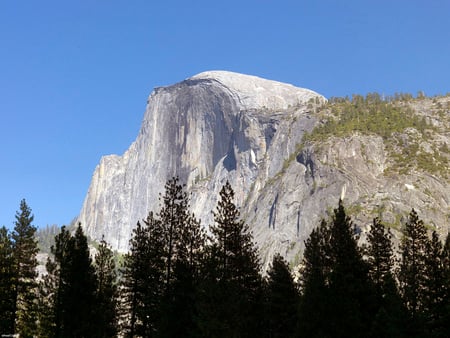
446 302
380 254
143 280
282 299
336 275
7 285
184 243
435 288
314 282
413 270
350 289
79 294
106 293
52 287
390 317
232 303
69 288
25 263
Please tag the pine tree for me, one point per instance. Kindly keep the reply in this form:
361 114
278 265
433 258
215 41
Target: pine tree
435 288
79 294
52 287
282 300
184 243
174 217
350 288
380 254
314 282
67 305
7 294
143 280
106 293
234 279
413 269
446 301
60 269
48 291
390 313
24 252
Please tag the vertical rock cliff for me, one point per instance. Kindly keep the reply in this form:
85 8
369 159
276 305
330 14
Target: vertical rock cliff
213 127
219 126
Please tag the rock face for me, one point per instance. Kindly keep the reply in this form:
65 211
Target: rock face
219 126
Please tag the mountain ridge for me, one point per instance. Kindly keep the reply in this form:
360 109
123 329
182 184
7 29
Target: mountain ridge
256 133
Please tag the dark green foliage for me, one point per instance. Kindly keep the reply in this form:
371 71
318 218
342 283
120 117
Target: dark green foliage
350 291
390 317
69 289
282 300
413 266
52 287
184 240
446 301
314 282
412 274
7 285
435 288
24 252
161 273
143 280
106 293
232 292
335 282
368 115
78 303
380 255
174 217
48 292
388 118
233 247
177 283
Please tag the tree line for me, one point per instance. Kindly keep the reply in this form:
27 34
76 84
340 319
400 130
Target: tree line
177 280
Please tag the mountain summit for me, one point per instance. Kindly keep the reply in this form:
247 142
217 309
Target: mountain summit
257 134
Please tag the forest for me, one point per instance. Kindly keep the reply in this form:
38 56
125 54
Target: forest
179 280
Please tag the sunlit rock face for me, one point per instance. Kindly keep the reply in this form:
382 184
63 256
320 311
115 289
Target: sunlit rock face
218 126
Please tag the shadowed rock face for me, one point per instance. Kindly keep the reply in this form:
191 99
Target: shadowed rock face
207 129
219 126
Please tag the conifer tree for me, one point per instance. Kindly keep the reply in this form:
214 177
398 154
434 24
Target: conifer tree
7 294
314 282
174 217
350 289
413 269
282 300
68 301
143 280
106 293
235 282
380 254
184 243
24 252
446 302
79 294
52 288
390 317
47 303
435 288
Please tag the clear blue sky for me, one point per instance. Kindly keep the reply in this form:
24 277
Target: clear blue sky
75 75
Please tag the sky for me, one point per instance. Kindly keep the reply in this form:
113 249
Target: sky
75 75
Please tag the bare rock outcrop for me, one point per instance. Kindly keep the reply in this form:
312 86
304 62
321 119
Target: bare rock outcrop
219 126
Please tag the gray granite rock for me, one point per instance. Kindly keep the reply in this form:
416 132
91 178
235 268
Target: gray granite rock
219 126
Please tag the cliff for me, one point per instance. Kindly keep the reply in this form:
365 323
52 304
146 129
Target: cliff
261 135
